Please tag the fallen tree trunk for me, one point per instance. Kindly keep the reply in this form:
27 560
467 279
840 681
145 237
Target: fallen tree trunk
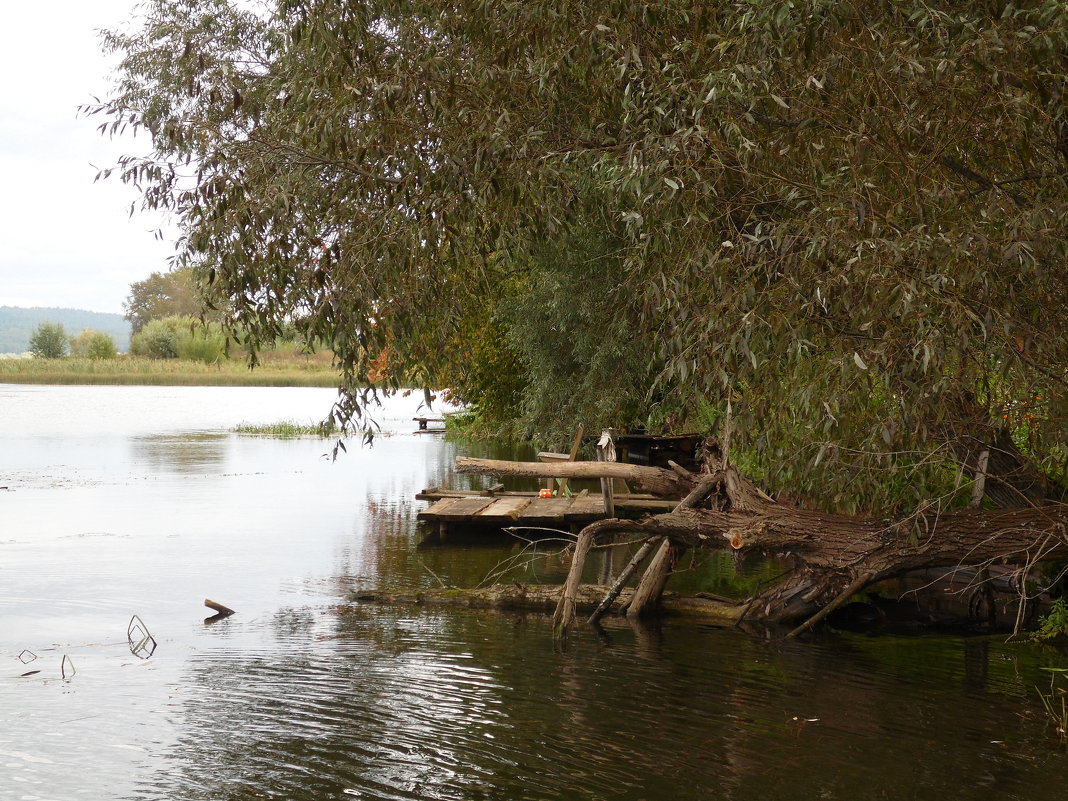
543 599
835 556
658 481
883 547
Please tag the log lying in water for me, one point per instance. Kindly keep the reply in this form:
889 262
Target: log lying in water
658 481
543 598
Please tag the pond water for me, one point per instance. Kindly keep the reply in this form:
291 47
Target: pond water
125 501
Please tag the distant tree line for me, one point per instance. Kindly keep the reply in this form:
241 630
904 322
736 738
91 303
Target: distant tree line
50 341
17 324
173 315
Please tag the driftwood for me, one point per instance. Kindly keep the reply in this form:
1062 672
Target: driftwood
220 610
656 480
647 595
651 587
565 612
835 556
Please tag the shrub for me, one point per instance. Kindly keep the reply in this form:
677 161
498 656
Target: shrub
48 341
179 337
93 344
204 343
158 339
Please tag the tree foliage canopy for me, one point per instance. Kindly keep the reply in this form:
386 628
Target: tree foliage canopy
175 293
48 341
93 345
848 221
180 337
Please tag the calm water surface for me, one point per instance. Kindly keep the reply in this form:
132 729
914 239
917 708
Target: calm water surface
139 500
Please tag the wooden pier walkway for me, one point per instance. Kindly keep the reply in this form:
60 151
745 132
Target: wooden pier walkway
473 508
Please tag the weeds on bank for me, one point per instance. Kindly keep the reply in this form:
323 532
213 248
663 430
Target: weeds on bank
1055 624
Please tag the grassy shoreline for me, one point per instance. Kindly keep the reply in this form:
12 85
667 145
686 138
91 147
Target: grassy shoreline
274 371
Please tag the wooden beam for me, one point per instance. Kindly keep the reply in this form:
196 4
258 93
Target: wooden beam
660 482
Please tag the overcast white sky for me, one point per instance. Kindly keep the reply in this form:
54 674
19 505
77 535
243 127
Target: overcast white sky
65 240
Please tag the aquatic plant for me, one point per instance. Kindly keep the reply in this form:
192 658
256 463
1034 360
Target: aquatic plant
287 429
1055 702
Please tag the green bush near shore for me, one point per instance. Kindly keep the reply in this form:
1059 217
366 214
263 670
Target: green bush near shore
288 370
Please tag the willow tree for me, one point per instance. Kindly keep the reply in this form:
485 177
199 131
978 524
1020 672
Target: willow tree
845 222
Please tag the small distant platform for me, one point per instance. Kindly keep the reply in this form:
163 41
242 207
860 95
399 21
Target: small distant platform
425 421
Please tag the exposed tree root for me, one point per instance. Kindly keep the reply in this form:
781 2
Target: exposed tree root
834 556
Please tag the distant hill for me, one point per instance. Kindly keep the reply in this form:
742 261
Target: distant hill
17 324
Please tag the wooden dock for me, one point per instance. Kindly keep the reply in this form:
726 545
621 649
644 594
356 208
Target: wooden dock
659 463
502 509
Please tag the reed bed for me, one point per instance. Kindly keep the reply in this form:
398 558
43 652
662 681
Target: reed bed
286 429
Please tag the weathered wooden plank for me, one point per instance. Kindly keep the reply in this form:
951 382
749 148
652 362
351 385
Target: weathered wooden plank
503 510
545 509
462 509
436 509
589 507
437 493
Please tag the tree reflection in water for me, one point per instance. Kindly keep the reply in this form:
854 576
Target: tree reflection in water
381 703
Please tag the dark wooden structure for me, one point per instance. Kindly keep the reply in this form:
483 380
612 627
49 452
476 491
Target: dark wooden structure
422 421
656 451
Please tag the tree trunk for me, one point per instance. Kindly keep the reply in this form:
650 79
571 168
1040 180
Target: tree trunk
658 481
1011 479
565 612
833 554
544 598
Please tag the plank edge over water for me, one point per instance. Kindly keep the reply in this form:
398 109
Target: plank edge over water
503 510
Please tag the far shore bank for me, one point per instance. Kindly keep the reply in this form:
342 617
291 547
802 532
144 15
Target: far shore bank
275 370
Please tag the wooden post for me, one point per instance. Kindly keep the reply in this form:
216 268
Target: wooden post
607 561
979 487
575 445
653 582
565 608
606 452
